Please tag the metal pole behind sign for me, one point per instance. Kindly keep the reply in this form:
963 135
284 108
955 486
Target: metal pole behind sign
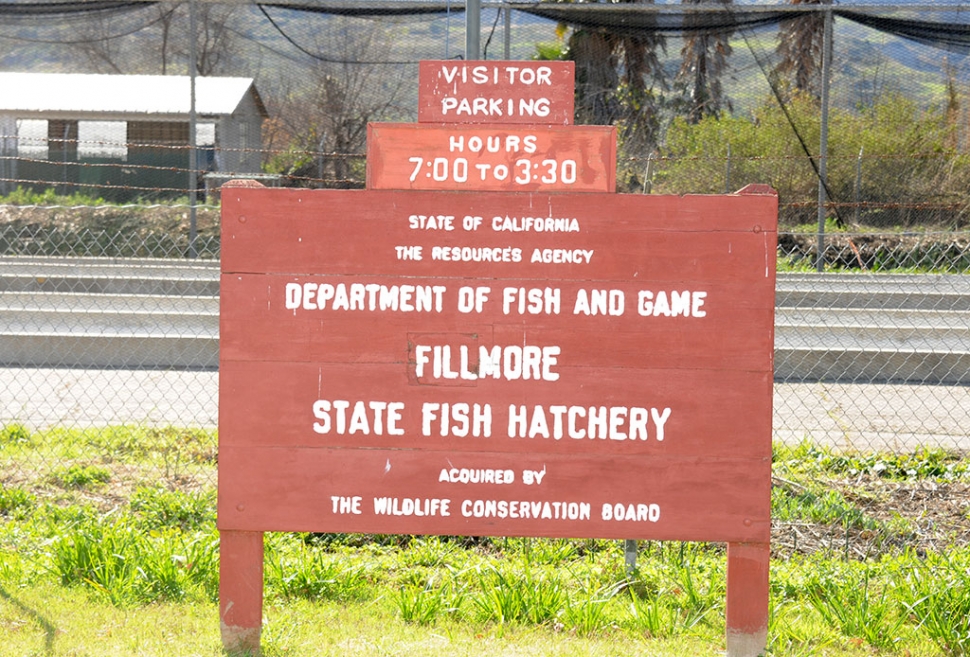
630 556
473 29
508 32
823 148
193 164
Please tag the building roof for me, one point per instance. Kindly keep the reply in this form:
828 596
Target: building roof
158 97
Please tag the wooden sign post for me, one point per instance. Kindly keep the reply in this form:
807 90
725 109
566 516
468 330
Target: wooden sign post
455 352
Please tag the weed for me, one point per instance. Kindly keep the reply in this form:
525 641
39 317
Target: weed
313 575
508 596
937 593
126 566
587 612
696 602
101 555
81 476
174 565
26 196
924 463
173 448
424 604
15 502
159 507
429 551
653 615
860 609
827 506
14 434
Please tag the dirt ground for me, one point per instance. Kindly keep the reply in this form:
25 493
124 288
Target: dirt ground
923 516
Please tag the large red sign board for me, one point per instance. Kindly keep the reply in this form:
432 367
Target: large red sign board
426 358
491 158
496 92
489 364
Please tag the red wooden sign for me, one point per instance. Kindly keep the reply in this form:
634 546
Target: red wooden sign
425 358
496 92
491 158
452 364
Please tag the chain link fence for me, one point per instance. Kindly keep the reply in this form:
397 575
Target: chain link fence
109 237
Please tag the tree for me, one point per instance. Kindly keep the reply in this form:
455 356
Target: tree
148 41
704 59
216 41
800 43
619 78
320 121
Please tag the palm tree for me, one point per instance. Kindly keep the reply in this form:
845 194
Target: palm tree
800 43
704 59
616 75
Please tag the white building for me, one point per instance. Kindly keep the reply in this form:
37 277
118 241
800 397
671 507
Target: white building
52 122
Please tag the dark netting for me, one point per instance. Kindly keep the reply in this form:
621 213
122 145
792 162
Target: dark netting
948 32
362 9
47 9
636 20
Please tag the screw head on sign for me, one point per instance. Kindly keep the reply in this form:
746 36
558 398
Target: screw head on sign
242 219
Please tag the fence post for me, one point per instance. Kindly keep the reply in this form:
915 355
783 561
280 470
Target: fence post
630 549
727 171
508 32
823 147
648 175
858 184
473 30
193 163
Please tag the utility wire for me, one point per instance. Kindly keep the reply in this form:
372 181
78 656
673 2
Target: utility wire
99 39
324 58
498 14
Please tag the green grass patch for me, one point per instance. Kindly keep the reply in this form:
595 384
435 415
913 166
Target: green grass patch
15 502
28 196
808 458
81 476
99 543
14 434
160 507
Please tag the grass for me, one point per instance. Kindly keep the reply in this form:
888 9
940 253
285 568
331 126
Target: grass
128 565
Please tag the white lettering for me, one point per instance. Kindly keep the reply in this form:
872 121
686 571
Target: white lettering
376 417
364 297
619 423
671 304
511 363
630 512
562 256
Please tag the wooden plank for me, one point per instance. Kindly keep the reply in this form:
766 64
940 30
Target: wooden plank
275 317
496 92
297 490
457 349
463 157
274 404
632 238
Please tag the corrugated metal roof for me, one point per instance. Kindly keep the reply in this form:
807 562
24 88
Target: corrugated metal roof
70 93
